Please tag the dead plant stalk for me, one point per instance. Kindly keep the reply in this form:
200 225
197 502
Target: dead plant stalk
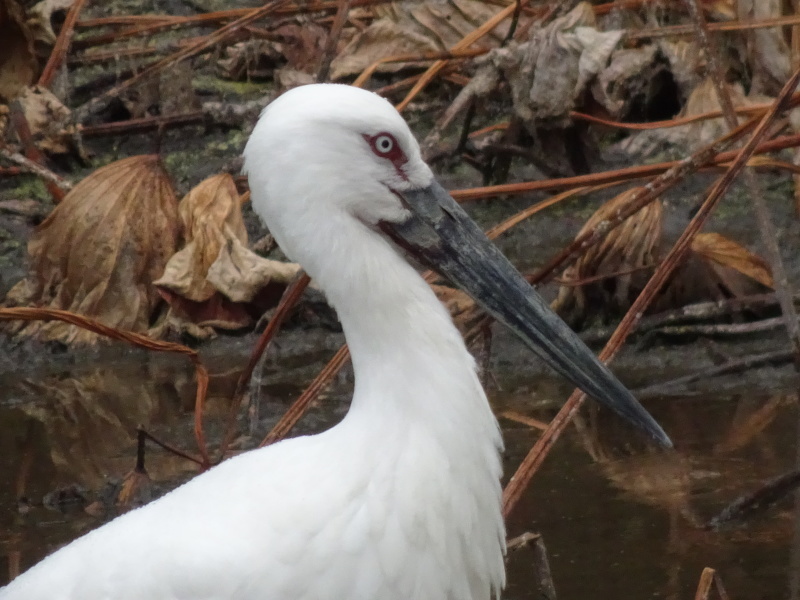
288 301
61 47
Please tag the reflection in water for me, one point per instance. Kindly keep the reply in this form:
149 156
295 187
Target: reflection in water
619 519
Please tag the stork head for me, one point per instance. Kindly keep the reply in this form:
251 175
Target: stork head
325 154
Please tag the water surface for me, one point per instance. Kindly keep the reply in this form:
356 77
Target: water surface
619 519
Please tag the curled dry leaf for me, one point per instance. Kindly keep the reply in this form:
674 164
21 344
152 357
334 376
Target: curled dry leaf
720 10
547 75
704 99
18 63
49 120
296 47
726 253
551 70
610 275
101 248
717 268
413 28
215 276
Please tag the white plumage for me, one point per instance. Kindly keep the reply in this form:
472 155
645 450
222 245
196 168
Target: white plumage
401 500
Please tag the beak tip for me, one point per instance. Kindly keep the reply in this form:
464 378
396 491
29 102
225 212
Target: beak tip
664 441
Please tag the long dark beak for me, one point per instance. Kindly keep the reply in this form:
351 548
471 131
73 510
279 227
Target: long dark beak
442 237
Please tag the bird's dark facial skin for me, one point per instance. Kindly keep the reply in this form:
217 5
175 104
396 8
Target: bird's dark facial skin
442 237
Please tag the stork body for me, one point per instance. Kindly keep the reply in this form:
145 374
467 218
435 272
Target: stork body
401 500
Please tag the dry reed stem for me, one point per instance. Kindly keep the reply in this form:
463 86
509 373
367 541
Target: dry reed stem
37 160
170 448
445 54
681 30
669 172
618 176
516 219
753 109
289 299
708 578
143 124
61 47
704 585
152 28
29 166
135 339
342 12
212 17
303 402
530 464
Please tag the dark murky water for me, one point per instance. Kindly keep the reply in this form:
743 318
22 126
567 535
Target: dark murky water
619 520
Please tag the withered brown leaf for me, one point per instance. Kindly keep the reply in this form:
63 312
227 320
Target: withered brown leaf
101 248
609 275
215 270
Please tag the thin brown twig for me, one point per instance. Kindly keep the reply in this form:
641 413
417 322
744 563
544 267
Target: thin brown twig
736 365
530 464
303 402
170 448
679 30
62 44
704 585
621 175
342 12
158 122
291 296
753 109
445 54
27 165
214 17
37 159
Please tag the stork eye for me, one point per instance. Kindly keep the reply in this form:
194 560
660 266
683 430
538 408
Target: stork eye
384 144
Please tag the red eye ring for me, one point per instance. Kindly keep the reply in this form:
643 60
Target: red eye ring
385 145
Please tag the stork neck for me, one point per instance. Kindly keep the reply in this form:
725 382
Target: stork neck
410 361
